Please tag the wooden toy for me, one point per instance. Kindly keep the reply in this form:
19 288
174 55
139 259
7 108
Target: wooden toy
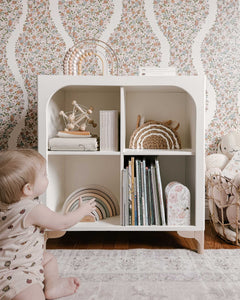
99 53
78 118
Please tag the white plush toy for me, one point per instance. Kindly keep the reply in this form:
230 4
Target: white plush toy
229 144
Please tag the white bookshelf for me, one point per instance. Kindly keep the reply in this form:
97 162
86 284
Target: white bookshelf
178 98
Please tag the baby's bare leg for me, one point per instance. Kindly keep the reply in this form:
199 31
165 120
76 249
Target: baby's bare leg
56 287
34 291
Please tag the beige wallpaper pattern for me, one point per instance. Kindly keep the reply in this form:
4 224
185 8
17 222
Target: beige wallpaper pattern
196 37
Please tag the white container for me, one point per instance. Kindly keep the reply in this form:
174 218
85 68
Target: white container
178 204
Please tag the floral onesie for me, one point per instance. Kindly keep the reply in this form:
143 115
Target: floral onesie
21 249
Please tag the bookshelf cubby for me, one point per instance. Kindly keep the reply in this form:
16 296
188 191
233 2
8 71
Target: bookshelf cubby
177 98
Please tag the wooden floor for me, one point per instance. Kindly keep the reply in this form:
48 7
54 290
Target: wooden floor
130 240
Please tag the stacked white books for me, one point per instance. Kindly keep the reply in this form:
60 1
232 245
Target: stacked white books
156 71
108 130
73 140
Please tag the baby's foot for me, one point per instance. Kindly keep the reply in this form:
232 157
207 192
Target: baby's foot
61 287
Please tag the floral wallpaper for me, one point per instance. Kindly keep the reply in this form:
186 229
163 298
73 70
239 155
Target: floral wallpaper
196 37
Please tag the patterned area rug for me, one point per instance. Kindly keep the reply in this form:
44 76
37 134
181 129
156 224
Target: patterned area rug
152 274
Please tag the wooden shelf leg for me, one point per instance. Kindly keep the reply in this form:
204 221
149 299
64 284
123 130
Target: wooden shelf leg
197 235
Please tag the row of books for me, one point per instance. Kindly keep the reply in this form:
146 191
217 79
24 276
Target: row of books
143 202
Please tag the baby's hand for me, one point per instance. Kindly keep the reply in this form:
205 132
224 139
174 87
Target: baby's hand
87 207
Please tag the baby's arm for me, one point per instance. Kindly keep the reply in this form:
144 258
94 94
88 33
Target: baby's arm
44 217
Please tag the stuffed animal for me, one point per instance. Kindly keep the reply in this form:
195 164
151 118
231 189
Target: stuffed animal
229 144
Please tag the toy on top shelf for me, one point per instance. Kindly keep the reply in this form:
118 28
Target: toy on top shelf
74 136
78 118
155 135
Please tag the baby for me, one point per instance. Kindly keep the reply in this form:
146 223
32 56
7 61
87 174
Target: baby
27 271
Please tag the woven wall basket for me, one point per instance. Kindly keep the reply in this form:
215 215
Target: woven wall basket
155 135
224 208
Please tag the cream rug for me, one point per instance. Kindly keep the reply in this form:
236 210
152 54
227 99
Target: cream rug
152 274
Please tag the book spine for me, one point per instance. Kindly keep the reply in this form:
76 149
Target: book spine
148 183
123 197
129 195
132 191
137 162
135 203
149 191
155 198
140 194
143 199
160 193
145 190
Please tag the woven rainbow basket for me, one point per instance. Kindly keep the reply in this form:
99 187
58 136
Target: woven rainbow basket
155 135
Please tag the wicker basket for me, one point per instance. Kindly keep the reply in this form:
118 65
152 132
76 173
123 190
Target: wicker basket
155 135
224 201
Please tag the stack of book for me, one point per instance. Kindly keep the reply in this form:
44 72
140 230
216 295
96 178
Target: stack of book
143 202
73 140
108 130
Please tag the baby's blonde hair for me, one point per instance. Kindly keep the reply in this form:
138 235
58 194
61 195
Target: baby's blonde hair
17 168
